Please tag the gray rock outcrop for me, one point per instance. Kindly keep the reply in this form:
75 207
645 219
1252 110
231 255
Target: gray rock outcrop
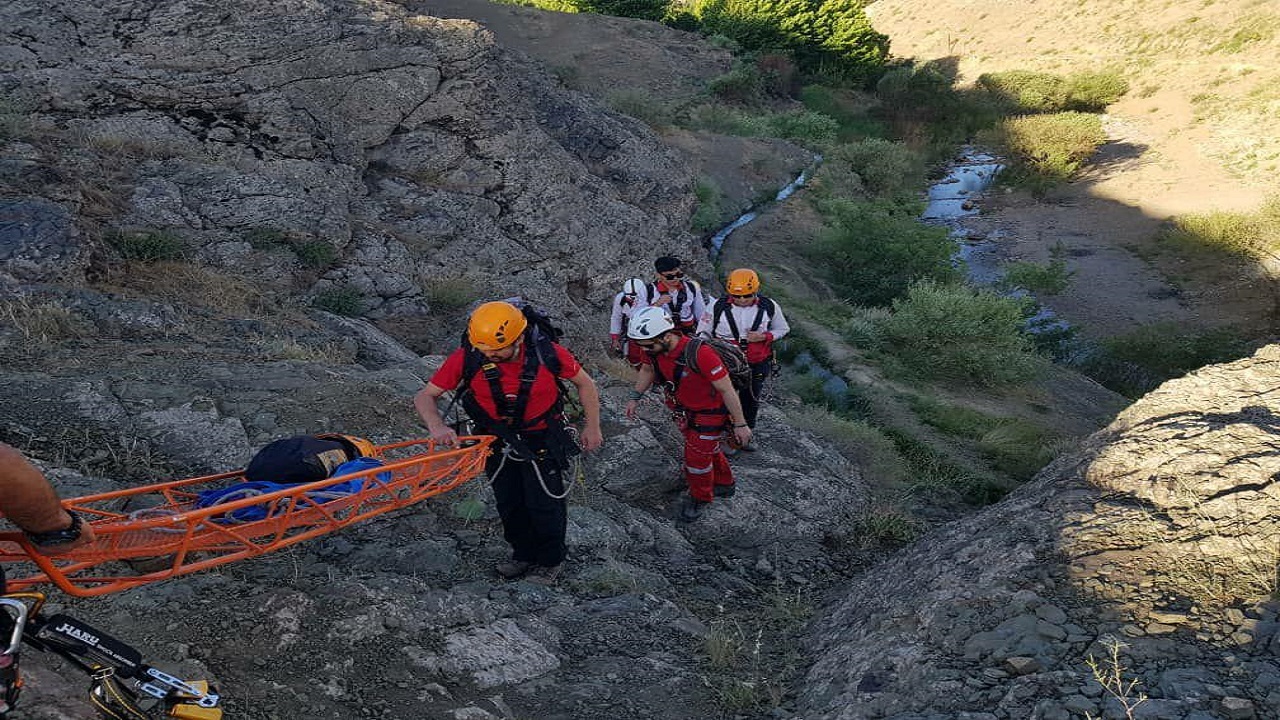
1158 538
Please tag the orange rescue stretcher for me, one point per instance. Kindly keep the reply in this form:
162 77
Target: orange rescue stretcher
160 527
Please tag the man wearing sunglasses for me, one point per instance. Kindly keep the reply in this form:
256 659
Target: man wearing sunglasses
698 388
753 321
681 296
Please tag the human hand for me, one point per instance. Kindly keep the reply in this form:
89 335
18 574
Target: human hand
87 537
663 299
742 434
756 336
592 438
444 435
630 410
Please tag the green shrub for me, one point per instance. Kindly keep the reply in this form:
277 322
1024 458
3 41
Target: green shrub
856 440
885 167
743 84
874 251
885 526
831 37
1027 91
935 476
643 9
1094 91
954 333
1252 235
1137 362
147 245
1054 146
340 301
706 216
802 125
316 254
641 106
1014 446
1048 278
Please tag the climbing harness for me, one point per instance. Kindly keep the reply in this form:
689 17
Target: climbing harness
122 685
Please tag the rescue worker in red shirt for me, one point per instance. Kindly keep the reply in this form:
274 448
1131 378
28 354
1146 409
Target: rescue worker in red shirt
625 305
682 297
753 321
702 394
508 371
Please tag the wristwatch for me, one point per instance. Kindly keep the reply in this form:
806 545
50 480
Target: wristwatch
58 537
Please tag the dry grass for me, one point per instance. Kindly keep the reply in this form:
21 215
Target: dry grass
41 323
190 284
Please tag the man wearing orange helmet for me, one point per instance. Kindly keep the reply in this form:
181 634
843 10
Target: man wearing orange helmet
753 321
509 372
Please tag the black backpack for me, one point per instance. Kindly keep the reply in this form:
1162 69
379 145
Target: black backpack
298 459
764 315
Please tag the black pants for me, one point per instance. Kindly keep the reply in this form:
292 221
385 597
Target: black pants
751 401
533 522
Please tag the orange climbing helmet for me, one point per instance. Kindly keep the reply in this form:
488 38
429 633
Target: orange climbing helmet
742 282
356 446
495 325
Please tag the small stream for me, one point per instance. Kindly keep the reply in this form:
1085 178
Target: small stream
716 243
956 197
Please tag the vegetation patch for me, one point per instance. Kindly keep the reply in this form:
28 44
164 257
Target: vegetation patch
340 301
151 245
41 323
706 216
641 106
194 285
450 293
1049 278
857 440
1016 447
1027 91
1137 362
873 251
957 334
1251 235
1048 149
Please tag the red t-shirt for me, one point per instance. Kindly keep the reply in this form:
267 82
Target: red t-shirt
695 391
541 396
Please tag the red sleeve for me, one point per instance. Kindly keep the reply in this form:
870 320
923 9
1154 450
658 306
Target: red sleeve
709 364
450 373
569 365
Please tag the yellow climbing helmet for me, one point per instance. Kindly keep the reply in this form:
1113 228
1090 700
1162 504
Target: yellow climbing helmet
742 282
495 325
356 446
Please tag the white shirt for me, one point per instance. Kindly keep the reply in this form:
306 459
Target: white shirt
744 317
695 304
622 312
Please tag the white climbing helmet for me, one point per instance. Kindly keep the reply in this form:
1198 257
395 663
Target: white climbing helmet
648 323
634 286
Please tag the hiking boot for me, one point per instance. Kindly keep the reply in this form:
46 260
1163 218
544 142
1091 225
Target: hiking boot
725 491
692 510
512 569
544 575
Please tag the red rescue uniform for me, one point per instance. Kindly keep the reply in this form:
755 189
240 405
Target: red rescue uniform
542 396
704 417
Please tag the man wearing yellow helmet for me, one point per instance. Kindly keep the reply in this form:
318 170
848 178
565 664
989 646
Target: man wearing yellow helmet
509 373
753 321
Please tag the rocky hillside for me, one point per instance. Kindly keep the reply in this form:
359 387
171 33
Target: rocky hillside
1158 539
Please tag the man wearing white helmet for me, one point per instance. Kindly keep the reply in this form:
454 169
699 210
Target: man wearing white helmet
625 305
698 388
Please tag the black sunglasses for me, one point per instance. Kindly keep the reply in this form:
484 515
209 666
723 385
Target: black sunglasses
748 295
647 344
673 275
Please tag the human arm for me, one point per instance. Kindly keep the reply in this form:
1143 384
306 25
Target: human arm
644 380
724 386
615 324
776 329
425 402
589 395
30 502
